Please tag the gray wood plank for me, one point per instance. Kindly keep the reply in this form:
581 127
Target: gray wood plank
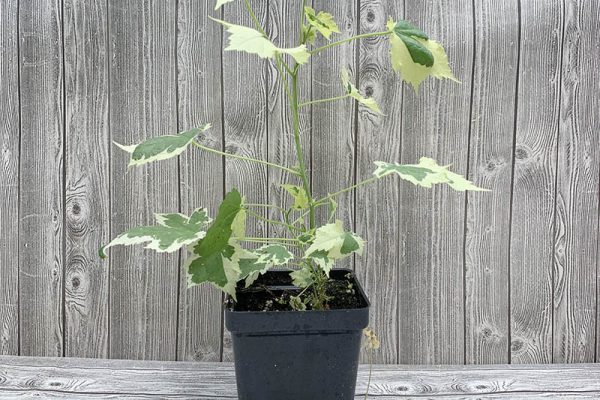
142 87
199 102
246 123
378 138
284 30
534 180
41 199
333 124
576 246
87 178
490 166
435 123
9 178
81 378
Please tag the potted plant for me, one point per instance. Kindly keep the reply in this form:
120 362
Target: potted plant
296 333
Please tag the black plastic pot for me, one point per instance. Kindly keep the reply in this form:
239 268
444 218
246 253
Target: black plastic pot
297 355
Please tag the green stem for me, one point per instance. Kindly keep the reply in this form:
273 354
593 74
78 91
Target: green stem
323 100
299 153
266 240
272 221
264 206
349 188
254 19
210 150
370 373
339 42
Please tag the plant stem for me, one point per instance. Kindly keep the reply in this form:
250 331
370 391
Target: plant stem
339 42
323 100
349 188
272 221
254 19
299 153
263 240
200 146
370 373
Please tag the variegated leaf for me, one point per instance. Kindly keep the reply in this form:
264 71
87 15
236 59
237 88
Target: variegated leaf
333 243
427 173
369 102
220 3
162 147
215 258
299 195
322 22
173 232
242 38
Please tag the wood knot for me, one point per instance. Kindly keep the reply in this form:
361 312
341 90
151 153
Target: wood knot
402 389
516 345
480 387
486 332
521 153
75 282
55 384
369 91
370 16
76 209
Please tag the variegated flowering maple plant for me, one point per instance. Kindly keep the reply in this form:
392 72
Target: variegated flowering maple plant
220 251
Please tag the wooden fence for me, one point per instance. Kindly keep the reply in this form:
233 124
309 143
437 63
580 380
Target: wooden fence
506 276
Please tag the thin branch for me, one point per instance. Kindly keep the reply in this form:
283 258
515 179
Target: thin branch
330 99
340 42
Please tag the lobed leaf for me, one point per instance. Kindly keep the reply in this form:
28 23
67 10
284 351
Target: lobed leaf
322 22
302 277
333 243
242 38
215 258
416 57
220 3
355 94
173 232
299 195
162 147
427 173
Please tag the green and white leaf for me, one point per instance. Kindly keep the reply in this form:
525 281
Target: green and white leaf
215 258
220 3
353 92
415 56
162 147
299 195
333 243
173 232
273 254
322 22
302 277
255 263
427 173
242 38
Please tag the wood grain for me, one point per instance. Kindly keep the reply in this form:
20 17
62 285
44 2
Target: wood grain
490 166
142 87
576 236
246 123
41 199
333 124
66 378
378 139
534 183
199 101
9 178
435 123
87 178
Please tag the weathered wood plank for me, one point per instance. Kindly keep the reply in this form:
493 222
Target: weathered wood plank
534 182
142 87
246 123
87 178
334 124
576 246
21 377
41 199
378 138
9 178
435 123
199 102
490 166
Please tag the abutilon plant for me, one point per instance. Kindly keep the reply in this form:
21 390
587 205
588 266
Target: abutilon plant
220 251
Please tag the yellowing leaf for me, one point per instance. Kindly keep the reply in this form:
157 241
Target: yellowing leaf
323 22
410 66
221 3
427 173
242 38
355 94
162 147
